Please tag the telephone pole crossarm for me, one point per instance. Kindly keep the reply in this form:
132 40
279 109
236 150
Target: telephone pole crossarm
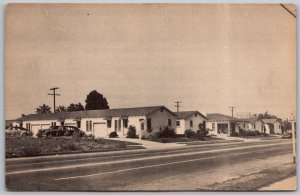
54 94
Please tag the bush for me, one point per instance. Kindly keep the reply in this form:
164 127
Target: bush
166 132
200 134
234 134
113 134
131 133
189 133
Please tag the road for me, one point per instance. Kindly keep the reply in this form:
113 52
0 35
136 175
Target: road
185 168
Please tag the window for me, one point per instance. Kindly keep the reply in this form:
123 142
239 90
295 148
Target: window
178 123
89 126
62 123
195 114
116 125
125 123
169 122
119 125
108 123
142 125
213 126
161 109
149 123
191 123
78 124
28 126
53 124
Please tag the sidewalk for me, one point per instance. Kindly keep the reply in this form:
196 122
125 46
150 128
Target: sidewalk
288 184
150 144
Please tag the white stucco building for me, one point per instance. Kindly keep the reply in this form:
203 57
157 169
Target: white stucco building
221 124
102 122
189 120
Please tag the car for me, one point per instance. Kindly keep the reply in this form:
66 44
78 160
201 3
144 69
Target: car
18 131
61 131
287 135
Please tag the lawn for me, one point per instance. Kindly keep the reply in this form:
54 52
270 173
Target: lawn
28 146
181 139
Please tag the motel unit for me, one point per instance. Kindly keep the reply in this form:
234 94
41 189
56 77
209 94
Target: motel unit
101 123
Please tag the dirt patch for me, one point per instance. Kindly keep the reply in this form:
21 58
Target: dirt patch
28 146
255 181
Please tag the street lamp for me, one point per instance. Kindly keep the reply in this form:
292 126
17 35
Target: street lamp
293 137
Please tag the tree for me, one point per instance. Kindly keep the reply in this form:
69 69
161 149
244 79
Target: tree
61 109
43 109
265 115
75 107
95 101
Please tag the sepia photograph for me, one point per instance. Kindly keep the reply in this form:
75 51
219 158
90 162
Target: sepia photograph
153 97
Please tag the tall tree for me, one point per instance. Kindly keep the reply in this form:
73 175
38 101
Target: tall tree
43 109
75 107
96 101
60 109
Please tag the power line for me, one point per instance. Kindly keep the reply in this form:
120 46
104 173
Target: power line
54 94
282 5
177 105
232 108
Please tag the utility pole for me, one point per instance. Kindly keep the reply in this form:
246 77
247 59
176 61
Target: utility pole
293 137
54 94
177 105
232 110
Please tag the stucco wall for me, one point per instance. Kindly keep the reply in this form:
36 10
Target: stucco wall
180 129
196 120
159 120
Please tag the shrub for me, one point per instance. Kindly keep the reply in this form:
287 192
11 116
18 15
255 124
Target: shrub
166 132
189 133
200 134
257 132
113 134
131 133
234 134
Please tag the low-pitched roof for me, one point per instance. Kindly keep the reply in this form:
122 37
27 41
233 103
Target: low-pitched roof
271 120
219 117
119 112
186 114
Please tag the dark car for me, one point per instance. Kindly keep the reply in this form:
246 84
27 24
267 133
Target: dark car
18 131
287 135
59 131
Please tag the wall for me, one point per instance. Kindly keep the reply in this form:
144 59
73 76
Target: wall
196 120
159 120
180 129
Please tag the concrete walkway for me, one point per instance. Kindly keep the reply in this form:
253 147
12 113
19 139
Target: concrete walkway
248 138
288 184
150 144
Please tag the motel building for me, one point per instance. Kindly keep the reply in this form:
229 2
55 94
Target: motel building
220 124
189 120
101 123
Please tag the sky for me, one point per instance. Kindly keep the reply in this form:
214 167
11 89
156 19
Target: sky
208 56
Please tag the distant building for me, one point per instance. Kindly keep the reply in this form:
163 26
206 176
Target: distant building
269 126
189 120
221 124
102 122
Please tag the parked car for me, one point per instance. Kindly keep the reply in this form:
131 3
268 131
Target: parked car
59 131
287 135
18 131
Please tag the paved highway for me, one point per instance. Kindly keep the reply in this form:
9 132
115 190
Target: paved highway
134 170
